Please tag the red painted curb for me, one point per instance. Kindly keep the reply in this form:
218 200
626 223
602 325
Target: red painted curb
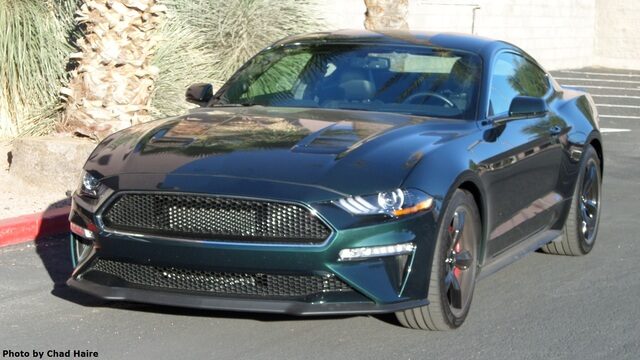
30 227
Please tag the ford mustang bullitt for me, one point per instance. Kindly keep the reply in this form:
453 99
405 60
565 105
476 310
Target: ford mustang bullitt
344 172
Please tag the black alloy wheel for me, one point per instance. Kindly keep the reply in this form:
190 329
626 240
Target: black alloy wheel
581 227
454 268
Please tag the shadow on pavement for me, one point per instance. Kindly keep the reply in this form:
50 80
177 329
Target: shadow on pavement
55 254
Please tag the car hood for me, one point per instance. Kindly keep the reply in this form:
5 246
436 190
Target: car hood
346 152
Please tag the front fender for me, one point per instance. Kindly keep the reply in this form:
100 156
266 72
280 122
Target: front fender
446 169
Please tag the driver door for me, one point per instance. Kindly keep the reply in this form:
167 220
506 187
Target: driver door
522 170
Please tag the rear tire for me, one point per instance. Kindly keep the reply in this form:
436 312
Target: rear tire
581 227
454 268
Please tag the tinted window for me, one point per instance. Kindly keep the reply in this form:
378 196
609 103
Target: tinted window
512 76
280 77
411 80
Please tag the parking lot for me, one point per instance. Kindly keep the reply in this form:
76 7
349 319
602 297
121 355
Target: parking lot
543 306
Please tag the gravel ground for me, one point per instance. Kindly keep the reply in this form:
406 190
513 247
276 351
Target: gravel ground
18 198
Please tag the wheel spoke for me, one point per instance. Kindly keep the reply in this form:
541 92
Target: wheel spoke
591 207
589 198
588 182
454 293
463 260
457 226
584 211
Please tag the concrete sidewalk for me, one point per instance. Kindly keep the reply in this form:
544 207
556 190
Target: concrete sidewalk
28 211
20 198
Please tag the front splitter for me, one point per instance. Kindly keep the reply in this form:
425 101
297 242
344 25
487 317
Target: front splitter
203 301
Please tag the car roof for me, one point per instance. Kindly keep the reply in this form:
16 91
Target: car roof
464 42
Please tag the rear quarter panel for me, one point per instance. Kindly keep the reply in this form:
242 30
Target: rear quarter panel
578 110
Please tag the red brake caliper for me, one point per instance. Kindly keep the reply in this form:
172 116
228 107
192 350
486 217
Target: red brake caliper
457 248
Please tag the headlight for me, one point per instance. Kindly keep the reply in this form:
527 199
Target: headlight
393 203
89 184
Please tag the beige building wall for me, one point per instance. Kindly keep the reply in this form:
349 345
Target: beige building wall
617 42
558 33
342 14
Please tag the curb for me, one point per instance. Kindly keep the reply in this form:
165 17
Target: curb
27 228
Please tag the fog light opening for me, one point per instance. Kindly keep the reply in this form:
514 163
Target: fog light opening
81 243
375 251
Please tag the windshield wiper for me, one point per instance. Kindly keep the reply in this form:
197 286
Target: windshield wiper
235 104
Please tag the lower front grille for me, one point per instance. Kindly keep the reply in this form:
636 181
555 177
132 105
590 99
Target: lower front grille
221 283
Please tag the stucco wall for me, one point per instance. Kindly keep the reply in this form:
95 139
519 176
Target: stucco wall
618 33
342 14
558 33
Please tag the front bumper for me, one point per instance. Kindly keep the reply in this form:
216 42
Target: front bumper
377 285
204 301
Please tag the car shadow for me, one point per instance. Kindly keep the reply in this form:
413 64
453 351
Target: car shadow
55 254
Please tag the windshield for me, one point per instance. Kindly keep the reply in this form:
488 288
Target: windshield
413 80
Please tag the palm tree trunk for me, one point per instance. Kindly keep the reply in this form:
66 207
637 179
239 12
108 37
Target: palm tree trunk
386 14
111 87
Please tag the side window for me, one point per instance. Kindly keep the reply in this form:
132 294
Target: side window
512 76
280 78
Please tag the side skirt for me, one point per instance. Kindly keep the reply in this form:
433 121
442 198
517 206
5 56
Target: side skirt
518 251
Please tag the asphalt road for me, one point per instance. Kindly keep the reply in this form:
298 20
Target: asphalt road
542 307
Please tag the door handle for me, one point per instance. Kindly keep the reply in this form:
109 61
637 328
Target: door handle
555 130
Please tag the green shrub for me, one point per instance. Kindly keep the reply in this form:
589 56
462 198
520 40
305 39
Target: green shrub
33 54
208 40
182 59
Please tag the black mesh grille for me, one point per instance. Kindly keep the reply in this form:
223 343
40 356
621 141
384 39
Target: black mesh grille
221 283
198 216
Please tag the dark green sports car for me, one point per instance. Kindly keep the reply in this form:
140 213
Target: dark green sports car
344 172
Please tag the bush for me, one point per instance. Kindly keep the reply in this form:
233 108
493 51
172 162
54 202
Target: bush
208 40
33 53
182 59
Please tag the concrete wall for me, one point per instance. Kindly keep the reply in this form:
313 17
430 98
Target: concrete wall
558 33
618 33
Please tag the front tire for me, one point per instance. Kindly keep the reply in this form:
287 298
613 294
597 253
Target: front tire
453 270
581 227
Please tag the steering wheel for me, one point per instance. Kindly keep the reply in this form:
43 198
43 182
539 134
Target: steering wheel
429 94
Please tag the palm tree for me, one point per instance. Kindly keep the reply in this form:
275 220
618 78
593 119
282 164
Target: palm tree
386 14
111 86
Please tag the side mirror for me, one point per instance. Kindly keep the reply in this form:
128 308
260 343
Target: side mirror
526 106
200 93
